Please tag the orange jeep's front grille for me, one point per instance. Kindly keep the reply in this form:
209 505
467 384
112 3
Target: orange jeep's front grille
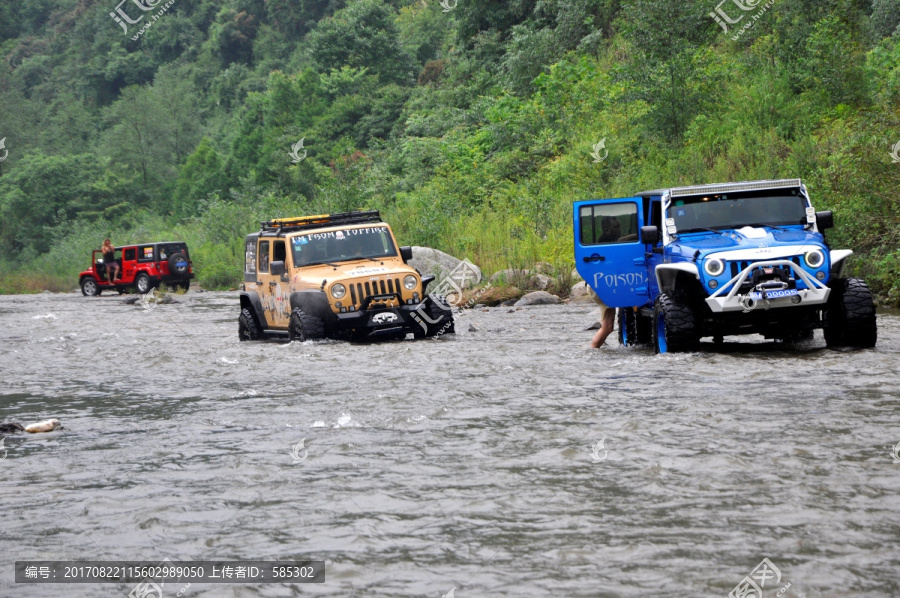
360 291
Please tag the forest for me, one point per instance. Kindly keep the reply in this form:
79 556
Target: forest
471 124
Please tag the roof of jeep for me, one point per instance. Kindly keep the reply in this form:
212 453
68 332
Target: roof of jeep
153 243
303 223
724 187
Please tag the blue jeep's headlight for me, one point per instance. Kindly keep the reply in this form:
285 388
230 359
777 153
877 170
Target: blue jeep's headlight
714 267
814 258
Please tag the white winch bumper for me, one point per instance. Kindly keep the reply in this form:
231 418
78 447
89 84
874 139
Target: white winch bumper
765 295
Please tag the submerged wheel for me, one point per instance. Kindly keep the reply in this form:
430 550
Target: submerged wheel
674 325
142 284
437 320
185 285
849 318
634 329
247 328
305 327
89 287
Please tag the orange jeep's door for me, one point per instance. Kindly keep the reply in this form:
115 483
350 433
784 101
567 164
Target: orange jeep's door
129 263
270 287
279 285
263 278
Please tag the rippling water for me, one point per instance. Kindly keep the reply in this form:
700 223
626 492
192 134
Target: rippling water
472 462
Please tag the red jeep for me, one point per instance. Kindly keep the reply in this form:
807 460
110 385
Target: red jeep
141 267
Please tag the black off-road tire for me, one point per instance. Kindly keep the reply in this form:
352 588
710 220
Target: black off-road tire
185 285
634 329
305 327
89 287
849 318
674 325
174 270
143 284
439 312
248 330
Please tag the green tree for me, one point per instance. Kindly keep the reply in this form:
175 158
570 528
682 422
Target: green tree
45 191
362 35
176 95
665 63
199 178
138 132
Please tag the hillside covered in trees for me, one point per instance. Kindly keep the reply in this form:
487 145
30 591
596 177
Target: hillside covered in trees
469 123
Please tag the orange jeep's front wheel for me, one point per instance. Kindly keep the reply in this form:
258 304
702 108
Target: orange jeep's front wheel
305 327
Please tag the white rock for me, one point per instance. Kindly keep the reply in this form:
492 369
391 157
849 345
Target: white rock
579 291
45 426
433 261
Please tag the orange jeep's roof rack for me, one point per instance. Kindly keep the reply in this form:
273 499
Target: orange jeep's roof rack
319 221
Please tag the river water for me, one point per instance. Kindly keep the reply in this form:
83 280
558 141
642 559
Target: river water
470 463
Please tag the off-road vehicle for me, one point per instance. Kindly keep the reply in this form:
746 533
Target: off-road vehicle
141 268
715 260
337 276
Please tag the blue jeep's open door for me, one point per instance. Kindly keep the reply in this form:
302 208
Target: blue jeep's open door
609 254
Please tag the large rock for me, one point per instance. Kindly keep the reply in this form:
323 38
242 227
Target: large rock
543 268
541 282
432 261
524 279
580 292
538 298
510 276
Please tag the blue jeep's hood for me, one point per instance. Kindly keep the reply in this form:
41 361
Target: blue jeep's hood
743 238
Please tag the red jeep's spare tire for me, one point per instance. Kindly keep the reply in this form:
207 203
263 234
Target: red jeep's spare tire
178 264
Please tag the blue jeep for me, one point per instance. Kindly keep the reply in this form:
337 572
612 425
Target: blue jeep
685 263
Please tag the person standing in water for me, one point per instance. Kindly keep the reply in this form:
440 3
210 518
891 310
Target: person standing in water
109 260
611 232
607 321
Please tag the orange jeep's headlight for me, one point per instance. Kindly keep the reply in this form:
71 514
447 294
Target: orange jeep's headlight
410 282
338 290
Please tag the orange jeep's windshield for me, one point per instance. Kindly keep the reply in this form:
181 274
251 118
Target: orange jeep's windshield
343 245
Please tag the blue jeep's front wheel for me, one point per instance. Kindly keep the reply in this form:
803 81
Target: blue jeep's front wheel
674 325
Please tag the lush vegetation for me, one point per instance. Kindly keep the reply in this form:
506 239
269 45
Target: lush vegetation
470 128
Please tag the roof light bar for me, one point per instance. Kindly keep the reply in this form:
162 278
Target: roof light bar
322 220
734 187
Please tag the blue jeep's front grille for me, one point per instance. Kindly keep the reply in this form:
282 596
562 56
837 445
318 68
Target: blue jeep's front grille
736 266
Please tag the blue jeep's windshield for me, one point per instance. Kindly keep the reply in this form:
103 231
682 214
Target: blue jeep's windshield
338 246
735 210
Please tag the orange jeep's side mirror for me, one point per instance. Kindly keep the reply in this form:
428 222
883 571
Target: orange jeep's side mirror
406 253
276 268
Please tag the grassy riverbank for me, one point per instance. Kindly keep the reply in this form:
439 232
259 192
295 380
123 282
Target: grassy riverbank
472 130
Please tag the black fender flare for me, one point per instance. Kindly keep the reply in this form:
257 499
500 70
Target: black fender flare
314 303
426 280
250 300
